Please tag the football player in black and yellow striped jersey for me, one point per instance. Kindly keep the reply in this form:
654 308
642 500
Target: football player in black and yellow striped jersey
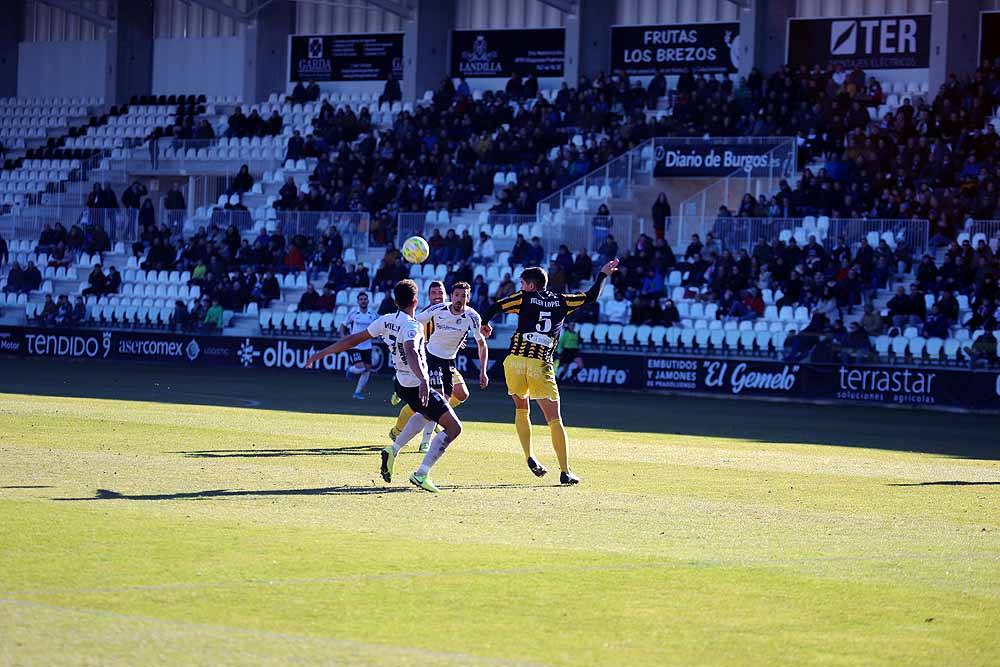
528 366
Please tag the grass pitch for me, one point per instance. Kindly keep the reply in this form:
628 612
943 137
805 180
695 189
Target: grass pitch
152 515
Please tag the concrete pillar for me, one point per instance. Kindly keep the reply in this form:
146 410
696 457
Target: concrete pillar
426 44
130 52
764 35
590 34
267 50
11 33
954 39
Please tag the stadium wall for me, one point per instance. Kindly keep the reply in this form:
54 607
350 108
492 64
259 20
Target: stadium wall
723 377
65 69
209 66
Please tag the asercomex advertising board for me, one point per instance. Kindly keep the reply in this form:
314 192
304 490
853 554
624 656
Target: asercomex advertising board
503 53
675 49
717 158
869 42
241 352
368 57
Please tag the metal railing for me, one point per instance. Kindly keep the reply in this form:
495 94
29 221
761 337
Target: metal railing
988 229
118 224
612 180
743 233
755 181
353 226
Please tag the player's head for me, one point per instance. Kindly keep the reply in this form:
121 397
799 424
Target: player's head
435 292
363 300
460 292
534 279
405 294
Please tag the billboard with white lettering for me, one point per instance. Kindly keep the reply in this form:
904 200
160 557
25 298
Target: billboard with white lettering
869 42
644 50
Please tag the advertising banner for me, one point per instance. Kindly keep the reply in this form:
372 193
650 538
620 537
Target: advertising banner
764 378
870 42
643 50
716 158
503 53
989 36
367 57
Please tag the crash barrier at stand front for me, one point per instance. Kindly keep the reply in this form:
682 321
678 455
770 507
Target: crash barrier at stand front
855 383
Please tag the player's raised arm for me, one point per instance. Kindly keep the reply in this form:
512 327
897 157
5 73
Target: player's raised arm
341 345
510 304
484 356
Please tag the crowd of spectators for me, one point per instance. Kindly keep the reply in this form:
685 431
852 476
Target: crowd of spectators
254 125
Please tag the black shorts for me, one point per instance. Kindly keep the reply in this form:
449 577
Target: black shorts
356 356
437 405
442 373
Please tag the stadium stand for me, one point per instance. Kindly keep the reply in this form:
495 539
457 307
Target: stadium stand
875 153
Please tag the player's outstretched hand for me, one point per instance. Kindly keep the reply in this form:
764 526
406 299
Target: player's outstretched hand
311 361
424 392
486 330
610 267
484 379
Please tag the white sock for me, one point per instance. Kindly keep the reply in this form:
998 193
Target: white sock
362 381
428 432
414 426
438 445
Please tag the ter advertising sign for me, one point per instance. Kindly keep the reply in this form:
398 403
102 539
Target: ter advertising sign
368 57
870 42
503 53
674 49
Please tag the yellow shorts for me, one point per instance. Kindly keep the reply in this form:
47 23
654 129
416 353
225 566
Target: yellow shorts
530 378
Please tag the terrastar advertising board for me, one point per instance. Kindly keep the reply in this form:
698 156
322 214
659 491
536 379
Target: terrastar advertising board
503 53
869 42
367 57
644 50
924 386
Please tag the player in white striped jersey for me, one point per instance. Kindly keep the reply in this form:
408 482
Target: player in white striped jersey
446 326
360 359
404 336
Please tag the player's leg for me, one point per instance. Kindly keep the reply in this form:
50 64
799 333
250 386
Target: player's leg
436 368
460 391
413 426
362 381
543 388
517 386
438 409
560 443
404 416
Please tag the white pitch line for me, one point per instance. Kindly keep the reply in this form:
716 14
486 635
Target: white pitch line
461 658
479 572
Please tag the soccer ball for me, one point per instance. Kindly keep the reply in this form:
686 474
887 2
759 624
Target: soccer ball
416 250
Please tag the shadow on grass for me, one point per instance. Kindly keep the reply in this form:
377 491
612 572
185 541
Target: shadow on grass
29 486
268 453
618 415
107 494
952 482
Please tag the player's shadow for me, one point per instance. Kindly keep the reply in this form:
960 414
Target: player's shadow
107 494
950 482
27 486
361 450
